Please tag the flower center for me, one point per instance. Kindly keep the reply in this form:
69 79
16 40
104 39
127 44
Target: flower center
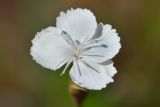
77 50
76 55
81 47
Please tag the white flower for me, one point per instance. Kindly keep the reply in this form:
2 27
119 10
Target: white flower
78 39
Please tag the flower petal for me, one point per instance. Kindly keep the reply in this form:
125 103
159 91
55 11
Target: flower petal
110 69
104 47
78 23
91 75
49 49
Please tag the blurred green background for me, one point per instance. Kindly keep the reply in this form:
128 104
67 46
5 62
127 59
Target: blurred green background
24 83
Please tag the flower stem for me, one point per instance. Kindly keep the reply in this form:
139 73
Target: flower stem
78 93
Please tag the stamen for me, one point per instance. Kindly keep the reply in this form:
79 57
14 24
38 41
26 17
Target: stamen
93 55
92 41
98 32
67 65
90 66
101 46
61 62
78 42
68 39
105 46
78 68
